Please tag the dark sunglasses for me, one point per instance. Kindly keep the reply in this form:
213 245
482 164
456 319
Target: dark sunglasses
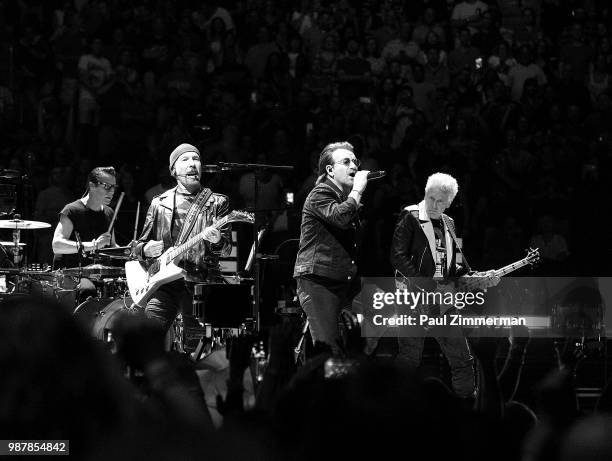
106 185
347 162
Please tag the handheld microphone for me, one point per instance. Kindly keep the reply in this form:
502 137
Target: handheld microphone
376 174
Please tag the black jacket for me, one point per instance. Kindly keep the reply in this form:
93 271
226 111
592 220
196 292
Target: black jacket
328 240
158 226
410 251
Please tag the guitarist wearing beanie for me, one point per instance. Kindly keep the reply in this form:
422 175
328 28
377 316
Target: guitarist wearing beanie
173 218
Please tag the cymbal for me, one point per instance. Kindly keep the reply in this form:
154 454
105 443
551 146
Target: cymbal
95 270
10 271
27 272
10 174
11 244
22 224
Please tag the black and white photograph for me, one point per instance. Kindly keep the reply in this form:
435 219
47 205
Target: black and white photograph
306 230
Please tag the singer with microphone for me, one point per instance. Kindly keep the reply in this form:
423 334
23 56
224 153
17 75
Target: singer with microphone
173 217
325 269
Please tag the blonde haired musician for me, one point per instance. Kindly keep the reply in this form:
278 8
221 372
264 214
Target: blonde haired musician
424 245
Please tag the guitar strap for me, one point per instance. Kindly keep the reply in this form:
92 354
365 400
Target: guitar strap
197 207
451 231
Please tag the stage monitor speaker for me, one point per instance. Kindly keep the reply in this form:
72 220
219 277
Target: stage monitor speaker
222 305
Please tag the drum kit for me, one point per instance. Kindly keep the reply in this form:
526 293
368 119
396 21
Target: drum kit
94 293
98 292
64 285
98 307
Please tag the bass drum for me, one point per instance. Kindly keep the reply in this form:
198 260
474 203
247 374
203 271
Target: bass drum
99 314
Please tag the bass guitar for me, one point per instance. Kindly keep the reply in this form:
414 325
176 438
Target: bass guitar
469 282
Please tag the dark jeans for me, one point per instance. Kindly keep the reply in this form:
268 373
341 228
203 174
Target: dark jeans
168 301
323 299
455 349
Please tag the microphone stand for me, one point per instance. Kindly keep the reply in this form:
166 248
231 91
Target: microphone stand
16 240
79 253
254 167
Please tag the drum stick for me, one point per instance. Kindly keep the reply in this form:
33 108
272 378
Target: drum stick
112 223
136 223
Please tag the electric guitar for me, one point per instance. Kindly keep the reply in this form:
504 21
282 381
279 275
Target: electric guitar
145 279
469 282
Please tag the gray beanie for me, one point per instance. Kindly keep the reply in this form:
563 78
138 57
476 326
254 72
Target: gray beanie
180 150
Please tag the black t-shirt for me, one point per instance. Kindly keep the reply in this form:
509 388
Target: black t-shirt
88 223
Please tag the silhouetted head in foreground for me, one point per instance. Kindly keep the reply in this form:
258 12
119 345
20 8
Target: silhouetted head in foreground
56 382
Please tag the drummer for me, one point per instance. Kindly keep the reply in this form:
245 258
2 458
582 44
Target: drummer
83 224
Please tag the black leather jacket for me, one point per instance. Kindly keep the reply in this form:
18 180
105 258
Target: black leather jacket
410 251
328 240
202 258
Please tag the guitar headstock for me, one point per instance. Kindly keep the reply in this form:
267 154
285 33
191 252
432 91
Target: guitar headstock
243 216
235 216
533 256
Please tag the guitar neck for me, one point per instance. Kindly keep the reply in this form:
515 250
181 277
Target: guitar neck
234 216
179 250
511 267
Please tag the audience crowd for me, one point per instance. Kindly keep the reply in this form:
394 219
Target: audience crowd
511 97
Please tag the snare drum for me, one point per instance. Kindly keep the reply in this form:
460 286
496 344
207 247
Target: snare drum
99 315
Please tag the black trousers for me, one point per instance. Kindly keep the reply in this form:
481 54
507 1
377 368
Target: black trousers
323 299
168 301
456 350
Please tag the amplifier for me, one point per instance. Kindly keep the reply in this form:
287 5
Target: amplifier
222 305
